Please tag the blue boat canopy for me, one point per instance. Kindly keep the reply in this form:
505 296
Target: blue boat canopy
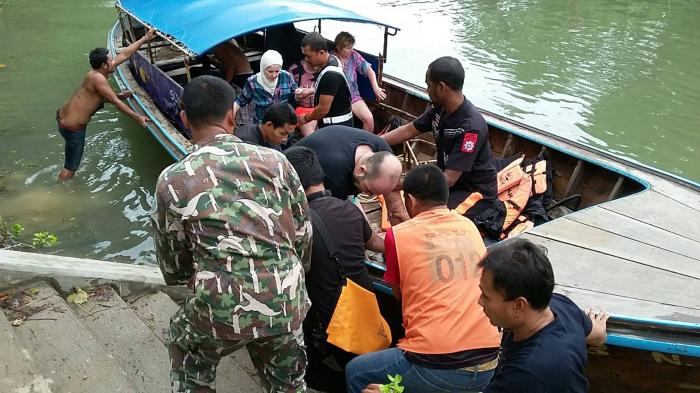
199 25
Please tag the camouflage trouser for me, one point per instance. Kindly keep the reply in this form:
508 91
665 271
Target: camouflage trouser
194 355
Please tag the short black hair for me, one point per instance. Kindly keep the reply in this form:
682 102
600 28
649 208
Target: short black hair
306 164
98 56
447 70
279 114
373 164
315 41
521 268
426 183
207 99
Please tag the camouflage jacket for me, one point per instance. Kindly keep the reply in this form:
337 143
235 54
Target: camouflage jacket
231 222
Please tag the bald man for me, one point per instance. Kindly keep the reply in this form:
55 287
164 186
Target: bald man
356 161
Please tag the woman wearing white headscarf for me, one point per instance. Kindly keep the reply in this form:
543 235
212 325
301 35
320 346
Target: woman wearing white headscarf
269 86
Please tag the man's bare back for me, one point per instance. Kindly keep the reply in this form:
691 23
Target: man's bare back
232 60
74 115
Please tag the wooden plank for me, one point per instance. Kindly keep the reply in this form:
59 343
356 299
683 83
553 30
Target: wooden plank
616 188
659 210
687 195
586 298
507 148
575 179
592 238
578 267
624 226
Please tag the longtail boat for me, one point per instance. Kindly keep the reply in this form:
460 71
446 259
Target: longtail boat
626 236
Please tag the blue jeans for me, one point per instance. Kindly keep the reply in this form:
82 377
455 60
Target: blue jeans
75 145
374 368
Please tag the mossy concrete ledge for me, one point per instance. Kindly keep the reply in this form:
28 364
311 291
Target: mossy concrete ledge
65 272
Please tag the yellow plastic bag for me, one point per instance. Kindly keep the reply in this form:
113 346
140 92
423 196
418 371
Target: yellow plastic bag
357 326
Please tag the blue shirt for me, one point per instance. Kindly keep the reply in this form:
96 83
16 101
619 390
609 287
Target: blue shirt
254 92
552 360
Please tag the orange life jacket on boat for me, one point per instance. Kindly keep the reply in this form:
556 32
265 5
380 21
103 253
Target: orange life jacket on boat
515 187
438 252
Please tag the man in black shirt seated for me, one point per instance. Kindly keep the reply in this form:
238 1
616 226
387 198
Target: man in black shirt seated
356 161
351 234
332 94
545 334
278 123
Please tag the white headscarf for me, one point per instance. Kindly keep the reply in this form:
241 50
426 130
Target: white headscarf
270 57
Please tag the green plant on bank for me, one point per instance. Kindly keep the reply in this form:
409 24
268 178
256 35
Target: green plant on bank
16 230
394 385
44 239
10 237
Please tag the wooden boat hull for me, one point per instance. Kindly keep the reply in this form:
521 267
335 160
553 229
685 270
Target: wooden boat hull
619 366
647 355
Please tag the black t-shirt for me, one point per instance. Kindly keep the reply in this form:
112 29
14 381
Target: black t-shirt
462 140
552 360
251 133
334 84
335 147
350 231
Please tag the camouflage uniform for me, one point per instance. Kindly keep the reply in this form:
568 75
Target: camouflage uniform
230 222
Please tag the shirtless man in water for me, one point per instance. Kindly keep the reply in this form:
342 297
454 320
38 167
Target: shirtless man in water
90 96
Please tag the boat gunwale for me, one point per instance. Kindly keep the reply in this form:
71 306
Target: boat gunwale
121 80
621 340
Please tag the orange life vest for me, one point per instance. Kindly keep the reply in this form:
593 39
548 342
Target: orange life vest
467 204
515 187
438 252
510 175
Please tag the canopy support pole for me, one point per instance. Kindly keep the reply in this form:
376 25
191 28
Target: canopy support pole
382 56
187 67
132 34
150 52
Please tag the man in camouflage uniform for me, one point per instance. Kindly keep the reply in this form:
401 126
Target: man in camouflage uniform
230 222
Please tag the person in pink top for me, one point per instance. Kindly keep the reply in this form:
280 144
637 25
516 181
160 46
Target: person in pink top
354 64
305 76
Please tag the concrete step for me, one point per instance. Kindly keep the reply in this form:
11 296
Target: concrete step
62 348
155 310
126 338
17 371
235 373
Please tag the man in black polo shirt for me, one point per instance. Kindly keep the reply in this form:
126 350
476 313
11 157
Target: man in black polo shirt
462 140
356 161
543 348
332 94
351 234
278 123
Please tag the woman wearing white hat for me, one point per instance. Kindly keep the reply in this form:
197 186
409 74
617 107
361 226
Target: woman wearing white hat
269 86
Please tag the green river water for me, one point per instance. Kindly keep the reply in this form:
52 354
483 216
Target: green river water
621 75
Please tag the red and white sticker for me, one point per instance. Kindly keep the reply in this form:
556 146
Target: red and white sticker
469 142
